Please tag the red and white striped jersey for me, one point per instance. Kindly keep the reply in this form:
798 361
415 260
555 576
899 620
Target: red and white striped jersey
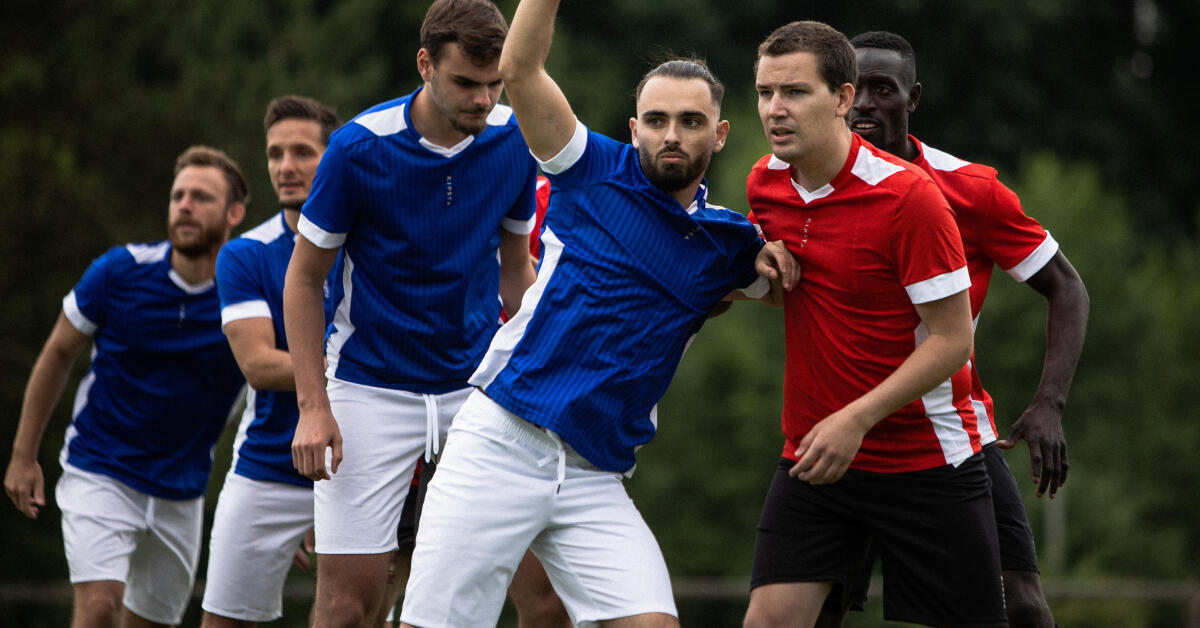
995 232
876 240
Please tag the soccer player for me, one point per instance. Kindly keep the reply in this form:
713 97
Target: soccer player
881 436
634 259
266 507
161 386
995 231
421 194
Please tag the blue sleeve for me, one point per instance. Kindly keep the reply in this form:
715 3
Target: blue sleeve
587 159
86 304
238 281
332 205
526 205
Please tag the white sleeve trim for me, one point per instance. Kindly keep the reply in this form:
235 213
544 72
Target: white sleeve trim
81 322
569 154
939 287
758 289
319 236
243 310
1036 260
519 227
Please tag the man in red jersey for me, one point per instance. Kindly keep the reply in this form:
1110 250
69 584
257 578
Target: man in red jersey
882 440
995 231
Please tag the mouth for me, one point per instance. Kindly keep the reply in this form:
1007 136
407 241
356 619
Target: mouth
780 133
864 125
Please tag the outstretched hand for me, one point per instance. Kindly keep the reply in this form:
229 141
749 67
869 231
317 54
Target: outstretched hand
1041 426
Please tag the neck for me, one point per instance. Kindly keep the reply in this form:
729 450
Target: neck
686 195
195 269
429 122
904 149
292 218
819 166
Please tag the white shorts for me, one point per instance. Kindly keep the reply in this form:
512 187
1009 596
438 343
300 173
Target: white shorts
503 485
384 432
113 532
256 530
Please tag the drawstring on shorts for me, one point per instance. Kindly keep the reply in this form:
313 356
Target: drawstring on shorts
432 433
560 455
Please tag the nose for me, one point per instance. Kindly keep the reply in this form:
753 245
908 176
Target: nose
775 108
483 96
862 101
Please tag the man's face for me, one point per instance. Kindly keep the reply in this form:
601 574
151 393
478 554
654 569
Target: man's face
462 91
198 219
676 131
798 111
294 148
884 96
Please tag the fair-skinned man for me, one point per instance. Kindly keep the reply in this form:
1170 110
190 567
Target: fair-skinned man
421 243
264 513
879 431
996 232
160 389
634 259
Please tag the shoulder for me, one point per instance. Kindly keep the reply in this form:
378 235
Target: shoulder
952 170
382 120
266 233
140 254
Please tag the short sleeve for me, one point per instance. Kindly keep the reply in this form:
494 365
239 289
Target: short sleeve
522 216
84 306
332 204
926 246
587 159
240 288
1013 240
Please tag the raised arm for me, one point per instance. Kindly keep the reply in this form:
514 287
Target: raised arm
827 450
542 110
1041 423
304 320
23 481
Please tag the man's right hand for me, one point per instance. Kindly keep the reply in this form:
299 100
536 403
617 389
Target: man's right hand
316 431
25 485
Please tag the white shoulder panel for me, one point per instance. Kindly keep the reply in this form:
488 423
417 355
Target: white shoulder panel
384 122
872 169
148 253
941 160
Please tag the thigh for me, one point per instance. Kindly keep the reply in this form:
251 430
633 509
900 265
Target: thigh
102 520
599 553
936 535
256 530
162 569
357 511
809 533
482 508
1017 549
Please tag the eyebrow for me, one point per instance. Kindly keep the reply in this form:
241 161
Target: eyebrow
689 112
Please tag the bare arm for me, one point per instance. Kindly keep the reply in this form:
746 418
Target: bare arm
23 481
304 320
253 344
1041 423
542 110
516 270
827 450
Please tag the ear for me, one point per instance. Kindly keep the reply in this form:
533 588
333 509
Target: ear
914 95
633 132
234 214
845 95
722 135
425 65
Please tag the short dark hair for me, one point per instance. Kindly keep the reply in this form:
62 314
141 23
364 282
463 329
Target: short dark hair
690 68
885 40
206 156
302 108
835 56
477 26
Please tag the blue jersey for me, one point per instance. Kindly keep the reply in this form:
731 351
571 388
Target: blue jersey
419 226
162 383
250 273
627 277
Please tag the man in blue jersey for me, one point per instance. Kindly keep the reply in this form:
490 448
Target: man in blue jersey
266 507
161 386
430 198
634 259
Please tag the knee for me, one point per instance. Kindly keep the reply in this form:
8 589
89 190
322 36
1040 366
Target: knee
1024 602
341 611
98 606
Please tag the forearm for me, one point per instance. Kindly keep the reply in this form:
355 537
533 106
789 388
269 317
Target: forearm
528 42
269 369
933 361
46 383
516 270
304 322
1066 325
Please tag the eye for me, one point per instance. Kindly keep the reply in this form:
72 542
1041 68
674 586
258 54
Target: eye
693 123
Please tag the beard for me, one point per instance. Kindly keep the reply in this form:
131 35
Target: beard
197 244
674 176
296 204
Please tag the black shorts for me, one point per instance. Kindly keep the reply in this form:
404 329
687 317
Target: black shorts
933 529
1017 549
406 534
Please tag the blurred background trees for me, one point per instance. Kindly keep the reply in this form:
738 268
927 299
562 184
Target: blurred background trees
1080 105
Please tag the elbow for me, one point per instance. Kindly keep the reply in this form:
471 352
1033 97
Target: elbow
510 67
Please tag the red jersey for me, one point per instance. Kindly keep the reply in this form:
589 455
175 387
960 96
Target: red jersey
876 240
543 202
995 232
